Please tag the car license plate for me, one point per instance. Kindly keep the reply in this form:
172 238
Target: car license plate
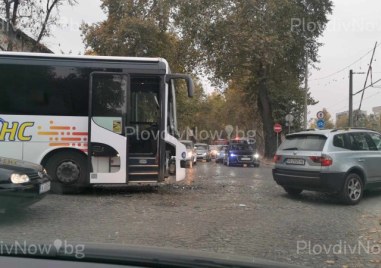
44 187
245 158
295 161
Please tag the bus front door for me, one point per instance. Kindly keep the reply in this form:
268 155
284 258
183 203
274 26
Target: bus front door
144 114
107 124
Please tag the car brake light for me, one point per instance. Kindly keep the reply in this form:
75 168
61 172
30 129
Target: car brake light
325 160
315 159
277 158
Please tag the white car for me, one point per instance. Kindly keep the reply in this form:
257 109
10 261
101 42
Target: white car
191 158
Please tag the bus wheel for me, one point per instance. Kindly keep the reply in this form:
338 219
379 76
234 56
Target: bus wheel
68 171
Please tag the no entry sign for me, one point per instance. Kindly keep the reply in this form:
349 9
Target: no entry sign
277 128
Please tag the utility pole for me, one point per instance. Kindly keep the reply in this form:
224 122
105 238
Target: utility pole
351 73
305 92
350 113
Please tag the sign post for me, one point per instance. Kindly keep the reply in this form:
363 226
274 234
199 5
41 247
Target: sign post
289 118
320 115
277 130
320 123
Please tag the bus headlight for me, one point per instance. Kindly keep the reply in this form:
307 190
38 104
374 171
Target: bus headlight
19 178
256 156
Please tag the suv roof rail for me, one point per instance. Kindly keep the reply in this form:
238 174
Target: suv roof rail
348 128
310 129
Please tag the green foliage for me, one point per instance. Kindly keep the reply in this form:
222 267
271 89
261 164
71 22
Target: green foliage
252 42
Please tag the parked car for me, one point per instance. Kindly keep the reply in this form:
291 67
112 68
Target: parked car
21 183
241 154
221 153
191 158
203 152
344 162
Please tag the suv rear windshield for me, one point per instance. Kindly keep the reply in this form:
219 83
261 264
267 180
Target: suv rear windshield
304 143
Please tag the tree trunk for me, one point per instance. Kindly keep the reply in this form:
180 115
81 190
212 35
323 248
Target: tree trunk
265 110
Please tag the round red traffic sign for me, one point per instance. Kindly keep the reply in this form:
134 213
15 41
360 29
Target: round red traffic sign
277 128
320 115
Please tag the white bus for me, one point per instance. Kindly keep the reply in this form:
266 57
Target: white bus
91 120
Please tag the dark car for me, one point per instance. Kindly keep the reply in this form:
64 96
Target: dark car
21 183
241 154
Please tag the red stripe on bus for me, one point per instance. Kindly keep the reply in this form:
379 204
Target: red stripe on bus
47 133
59 144
70 139
80 133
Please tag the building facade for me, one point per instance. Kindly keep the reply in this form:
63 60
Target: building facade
21 41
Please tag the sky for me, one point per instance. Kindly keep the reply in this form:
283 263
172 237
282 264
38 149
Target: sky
348 41
350 36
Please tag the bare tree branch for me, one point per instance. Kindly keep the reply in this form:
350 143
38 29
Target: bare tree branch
44 24
31 17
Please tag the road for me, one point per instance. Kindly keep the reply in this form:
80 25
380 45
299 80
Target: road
217 208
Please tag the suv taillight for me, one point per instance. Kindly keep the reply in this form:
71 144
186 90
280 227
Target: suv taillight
277 158
324 160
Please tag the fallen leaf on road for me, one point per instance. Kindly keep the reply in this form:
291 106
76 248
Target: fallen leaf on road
330 262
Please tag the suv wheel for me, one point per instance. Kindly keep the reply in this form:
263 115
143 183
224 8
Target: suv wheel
293 191
353 189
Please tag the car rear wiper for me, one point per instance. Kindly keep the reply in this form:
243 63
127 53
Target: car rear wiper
291 148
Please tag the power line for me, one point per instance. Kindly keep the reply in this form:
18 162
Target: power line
371 85
367 75
346 67
372 95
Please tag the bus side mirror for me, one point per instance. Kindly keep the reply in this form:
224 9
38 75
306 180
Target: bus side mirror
187 79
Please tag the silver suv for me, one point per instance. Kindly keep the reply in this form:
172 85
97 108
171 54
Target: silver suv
344 161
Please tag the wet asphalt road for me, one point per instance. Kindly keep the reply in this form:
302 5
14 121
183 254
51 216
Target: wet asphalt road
220 209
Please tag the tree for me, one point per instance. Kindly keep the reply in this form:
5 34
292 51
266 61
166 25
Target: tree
139 28
249 45
342 121
35 17
252 41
